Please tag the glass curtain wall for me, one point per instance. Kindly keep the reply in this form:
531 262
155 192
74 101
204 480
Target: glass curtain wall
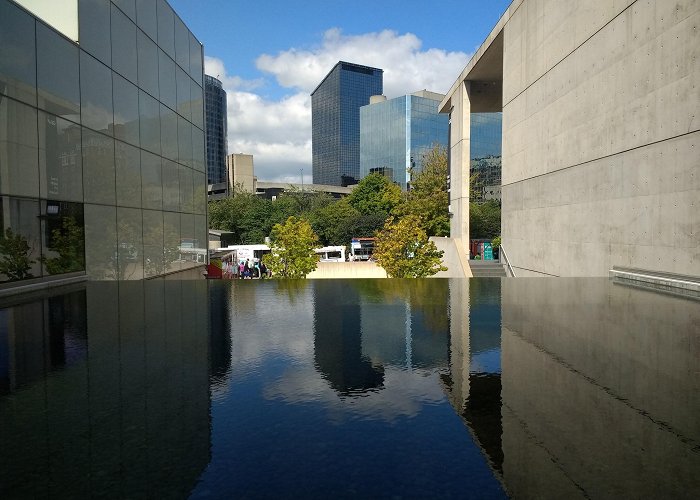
102 165
485 154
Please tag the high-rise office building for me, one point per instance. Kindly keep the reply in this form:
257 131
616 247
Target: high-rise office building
335 121
395 134
102 170
215 114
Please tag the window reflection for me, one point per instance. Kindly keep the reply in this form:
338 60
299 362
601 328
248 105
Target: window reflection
57 74
20 239
64 237
60 158
18 63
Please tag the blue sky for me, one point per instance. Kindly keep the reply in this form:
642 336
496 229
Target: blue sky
271 54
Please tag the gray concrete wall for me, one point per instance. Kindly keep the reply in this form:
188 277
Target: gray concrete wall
337 270
601 132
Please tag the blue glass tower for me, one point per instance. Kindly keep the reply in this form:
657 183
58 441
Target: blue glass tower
485 154
395 134
335 121
215 113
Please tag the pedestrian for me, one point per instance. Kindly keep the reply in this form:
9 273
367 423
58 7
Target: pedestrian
263 270
241 270
248 269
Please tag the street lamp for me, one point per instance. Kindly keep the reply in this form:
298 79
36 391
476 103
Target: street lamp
301 171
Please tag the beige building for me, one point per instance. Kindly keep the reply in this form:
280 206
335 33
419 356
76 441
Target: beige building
241 171
601 107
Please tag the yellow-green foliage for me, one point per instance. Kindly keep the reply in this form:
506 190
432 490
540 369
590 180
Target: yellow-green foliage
293 244
404 251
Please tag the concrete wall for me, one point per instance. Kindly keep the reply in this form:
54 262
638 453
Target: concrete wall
601 132
601 137
241 171
332 270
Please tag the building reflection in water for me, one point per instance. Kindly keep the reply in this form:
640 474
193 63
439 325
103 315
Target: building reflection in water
105 391
599 386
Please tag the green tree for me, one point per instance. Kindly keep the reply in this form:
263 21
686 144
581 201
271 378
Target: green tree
14 256
404 250
485 219
428 197
292 254
69 243
331 222
375 193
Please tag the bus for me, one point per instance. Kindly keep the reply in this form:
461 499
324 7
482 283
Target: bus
361 249
331 254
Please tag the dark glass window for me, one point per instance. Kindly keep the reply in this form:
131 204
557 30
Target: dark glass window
147 18
19 165
64 237
148 64
60 159
127 161
98 168
94 28
58 79
124 60
151 181
18 61
96 95
20 239
168 88
126 110
166 28
149 116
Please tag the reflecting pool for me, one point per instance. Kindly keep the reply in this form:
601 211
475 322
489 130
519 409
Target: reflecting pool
480 388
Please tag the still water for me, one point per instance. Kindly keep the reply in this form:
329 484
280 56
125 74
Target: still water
481 388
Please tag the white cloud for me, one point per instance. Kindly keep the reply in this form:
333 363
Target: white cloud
278 132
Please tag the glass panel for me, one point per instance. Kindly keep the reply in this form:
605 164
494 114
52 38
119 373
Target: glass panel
184 141
18 61
94 29
168 88
127 160
126 110
101 242
168 132
98 171
64 237
186 193
19 165
188 242
96 95
200 192
198 149
202 237
20 239
182 44
148 64
149 115
166 28
171 241
183 94
57 74
146 17
196 60
127 6
130 234
60 159
171 186
151 181
153 242
124 60
61 14
197 105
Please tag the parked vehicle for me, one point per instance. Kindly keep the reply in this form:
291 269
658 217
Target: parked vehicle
361 249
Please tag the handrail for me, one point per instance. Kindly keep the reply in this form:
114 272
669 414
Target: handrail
502 251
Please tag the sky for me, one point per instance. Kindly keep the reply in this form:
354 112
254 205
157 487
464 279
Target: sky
271 54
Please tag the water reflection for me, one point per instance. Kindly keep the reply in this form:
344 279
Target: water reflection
358 388
105 392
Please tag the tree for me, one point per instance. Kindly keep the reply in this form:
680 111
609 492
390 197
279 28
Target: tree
14 256
375 193
485 219
331 222
292 249
404 250
68 242
428 197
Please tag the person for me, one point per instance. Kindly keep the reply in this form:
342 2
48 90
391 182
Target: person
247 271
263 270
256 269
241 270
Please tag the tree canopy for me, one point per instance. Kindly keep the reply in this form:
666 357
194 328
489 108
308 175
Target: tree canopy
404 250
292 249
375 193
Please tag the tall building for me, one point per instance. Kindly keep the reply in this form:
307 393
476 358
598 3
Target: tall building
600 134
335 121
102 171
395 134
215 113
485 155
241 172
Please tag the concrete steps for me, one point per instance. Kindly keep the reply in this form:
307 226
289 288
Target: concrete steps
487 269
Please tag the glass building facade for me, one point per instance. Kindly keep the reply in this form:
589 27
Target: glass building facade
102 167
335 121
216 125
396 134
485 153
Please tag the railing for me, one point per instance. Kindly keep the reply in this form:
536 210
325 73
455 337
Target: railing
502 251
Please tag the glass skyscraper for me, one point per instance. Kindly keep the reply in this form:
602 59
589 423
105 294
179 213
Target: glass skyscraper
335 121
102 169
395 134
485 154
215 114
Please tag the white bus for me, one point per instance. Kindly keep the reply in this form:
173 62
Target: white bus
331 254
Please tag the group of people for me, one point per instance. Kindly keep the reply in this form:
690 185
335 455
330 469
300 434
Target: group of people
245 269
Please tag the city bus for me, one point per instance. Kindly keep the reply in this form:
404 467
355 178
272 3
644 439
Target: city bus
361 249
